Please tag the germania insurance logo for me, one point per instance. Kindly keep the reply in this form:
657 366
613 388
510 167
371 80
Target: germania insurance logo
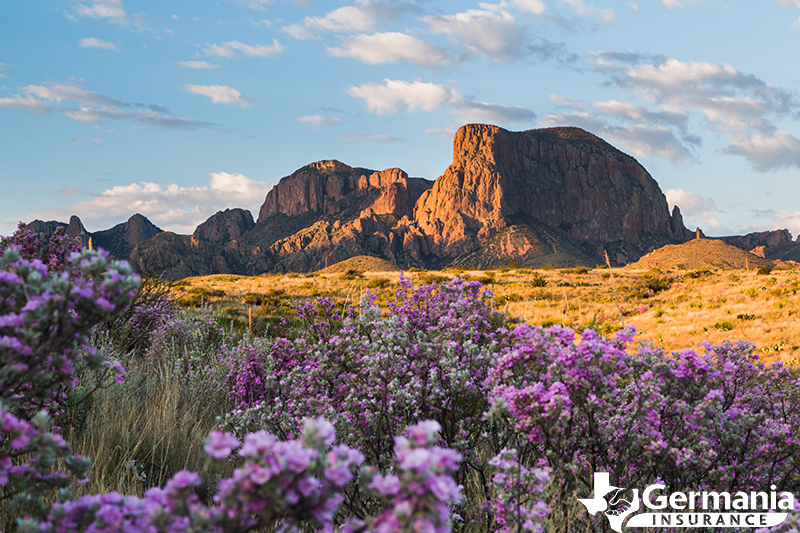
685 509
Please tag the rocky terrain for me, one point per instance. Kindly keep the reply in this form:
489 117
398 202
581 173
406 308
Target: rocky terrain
555 196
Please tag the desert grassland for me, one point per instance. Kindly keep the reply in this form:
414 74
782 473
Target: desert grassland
673 309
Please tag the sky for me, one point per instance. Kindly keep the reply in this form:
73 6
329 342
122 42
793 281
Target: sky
179 109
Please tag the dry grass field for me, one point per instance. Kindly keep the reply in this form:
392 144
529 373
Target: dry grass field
672 308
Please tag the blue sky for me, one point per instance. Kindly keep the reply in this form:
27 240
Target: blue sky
179 109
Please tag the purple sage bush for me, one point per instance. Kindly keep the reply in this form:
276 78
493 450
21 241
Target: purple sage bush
718 421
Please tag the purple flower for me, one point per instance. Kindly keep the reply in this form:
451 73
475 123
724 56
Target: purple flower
220 445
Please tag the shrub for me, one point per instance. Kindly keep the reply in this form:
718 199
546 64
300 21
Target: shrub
370 374
577 270
352 274
715 421
724 325
538 281
378 283
764 270
46 319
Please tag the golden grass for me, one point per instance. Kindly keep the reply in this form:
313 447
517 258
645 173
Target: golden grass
141 433
722 305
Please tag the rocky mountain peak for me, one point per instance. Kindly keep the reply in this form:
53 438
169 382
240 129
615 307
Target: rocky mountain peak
563 177
225 226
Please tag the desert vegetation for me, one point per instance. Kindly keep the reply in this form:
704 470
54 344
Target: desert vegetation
674 308
354 400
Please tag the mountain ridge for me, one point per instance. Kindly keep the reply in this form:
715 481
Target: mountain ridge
559 196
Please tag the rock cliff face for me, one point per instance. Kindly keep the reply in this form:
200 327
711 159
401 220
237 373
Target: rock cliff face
776 244
120 240
225 226
557 196
563 177
323 187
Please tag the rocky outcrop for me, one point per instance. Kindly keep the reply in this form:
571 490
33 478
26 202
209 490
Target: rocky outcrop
325 186
120 240
225 226
565 178
775 244
173 256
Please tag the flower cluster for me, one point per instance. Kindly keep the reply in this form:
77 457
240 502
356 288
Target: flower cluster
45 321
46 318
54 251
719 420
428 357
285 485
420 492
519 502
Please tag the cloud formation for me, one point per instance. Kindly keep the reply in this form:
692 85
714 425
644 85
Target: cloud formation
219 94
318 122
607 15
731 103
171 207
92 42
391 47
362 137
93 107
229 49
490 32
359 17
392 95
198 65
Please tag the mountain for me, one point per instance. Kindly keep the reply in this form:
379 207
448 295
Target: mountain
555 196
579 189
119 241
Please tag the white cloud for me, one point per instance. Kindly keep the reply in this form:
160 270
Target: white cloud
790 3
671 4
689 203
697 211
219 94
385 99
58 92
112 11
579 119
421 96
390 47
92 42
149 117
94 107
299 32
641 114
28 103
197 64
492 113
228 49
491 33
776 150
347 19
318 122
362 137
172 207
607 15
532 7
99 9
640 140
734 104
